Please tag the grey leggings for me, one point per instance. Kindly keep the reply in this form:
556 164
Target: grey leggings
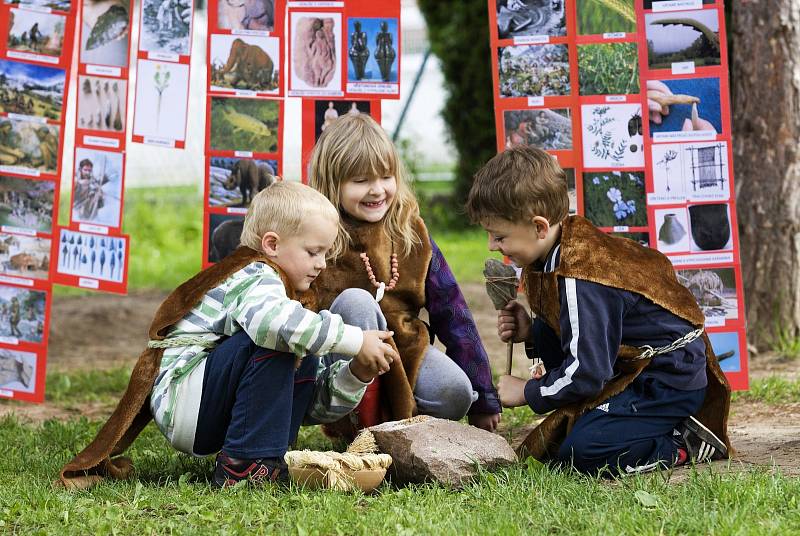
443 390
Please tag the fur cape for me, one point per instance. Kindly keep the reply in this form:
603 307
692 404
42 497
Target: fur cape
101 457
400 306
591 255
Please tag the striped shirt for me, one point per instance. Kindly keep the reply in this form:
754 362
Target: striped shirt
255 300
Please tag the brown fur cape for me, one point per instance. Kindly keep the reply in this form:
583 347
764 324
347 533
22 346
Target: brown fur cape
591 255
400 306
101 457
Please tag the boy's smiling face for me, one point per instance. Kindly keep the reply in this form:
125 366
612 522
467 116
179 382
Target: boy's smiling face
522 242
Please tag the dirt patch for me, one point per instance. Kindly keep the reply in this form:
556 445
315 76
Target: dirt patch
106 331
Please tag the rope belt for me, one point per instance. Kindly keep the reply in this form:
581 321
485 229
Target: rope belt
649 351
182 340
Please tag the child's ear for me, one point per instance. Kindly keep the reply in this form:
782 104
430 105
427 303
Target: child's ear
269 243
542 226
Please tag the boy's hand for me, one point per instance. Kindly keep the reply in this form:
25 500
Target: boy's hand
511 391
375 356
513 322
488 422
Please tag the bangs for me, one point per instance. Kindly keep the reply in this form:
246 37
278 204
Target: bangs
372 156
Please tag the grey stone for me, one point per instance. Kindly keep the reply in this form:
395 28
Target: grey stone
429 449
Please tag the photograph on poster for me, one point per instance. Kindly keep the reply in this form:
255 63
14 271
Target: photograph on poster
372 50
606 16
684 105
17 370
22 313
681 36
24 256
161 100
223 235
245 62
29 89
166 26
615 198
547 129
533 70
316 62
648 4
88 255
328 111
105 32
714 289
726 347
233 182
608 69
710 227
36 32
256 15
519 18
642 239
672 230
612 135
569 173
55 5
26 204
29 144
241 124
696 170
102 103
97 187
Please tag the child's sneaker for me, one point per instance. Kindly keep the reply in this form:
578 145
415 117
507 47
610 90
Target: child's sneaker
229 471
698 442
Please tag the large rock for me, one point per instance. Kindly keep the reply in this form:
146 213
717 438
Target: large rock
430 449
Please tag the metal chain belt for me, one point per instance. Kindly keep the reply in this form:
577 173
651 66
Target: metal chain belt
649 351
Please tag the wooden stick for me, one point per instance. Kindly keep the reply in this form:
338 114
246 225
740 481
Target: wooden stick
509 356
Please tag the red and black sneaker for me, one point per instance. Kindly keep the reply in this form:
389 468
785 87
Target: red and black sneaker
229 471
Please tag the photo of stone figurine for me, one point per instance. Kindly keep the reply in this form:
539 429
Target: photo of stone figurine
518 18
245 62
372 50
166 26
534 70
105 32
22 313
29 144
256 15
28 89
36 32
97 187
90 255
598 303
17 370
326 112
102 103
316 61
680 36
24 256
234 182
26 204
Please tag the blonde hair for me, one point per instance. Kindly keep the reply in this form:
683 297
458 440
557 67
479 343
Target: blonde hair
516 185
357 146
282 208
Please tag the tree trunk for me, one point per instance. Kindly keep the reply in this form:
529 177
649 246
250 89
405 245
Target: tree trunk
765 88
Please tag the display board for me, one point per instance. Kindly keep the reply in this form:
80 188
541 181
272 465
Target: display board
632 99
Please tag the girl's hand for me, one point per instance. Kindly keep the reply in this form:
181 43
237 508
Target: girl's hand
513 322
511 391
488 422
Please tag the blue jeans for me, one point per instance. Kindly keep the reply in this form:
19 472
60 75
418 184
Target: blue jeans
253 400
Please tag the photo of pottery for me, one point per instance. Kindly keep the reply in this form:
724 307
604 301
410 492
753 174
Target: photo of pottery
605 16
17 370
166 26
680 36
315 59
714 289
372 50
710 227
691 171
89 255
534 70
672 230
102 103
24 256
245 62
28 89
612 135
547 129
326 112
223 235
615 198
105 32
26 204
727 349
519 18
22 313
161 93
685 105
36 32
233 182
608 69
242 124
29 144
258 15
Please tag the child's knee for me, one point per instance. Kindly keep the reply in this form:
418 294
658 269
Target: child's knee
453 401
358 307
353 297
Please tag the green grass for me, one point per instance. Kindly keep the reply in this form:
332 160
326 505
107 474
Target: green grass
465 252
771 390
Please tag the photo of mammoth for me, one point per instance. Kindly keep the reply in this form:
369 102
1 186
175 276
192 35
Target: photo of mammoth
250 178
247 67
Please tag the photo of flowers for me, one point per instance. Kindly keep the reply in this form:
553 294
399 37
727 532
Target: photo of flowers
534 70
615 198
606 16
608 69
612 135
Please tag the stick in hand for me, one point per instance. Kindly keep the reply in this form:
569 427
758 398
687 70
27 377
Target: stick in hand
501 286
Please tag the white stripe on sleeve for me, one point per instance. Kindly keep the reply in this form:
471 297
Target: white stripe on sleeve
572 304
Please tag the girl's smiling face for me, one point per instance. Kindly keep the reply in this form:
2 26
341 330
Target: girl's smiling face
368 198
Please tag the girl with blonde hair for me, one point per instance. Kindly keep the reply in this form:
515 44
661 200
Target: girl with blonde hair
385 268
